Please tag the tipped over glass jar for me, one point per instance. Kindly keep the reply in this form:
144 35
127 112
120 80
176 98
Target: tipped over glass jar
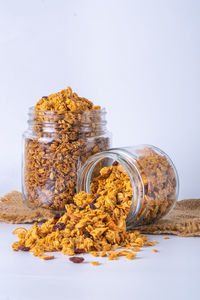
153 176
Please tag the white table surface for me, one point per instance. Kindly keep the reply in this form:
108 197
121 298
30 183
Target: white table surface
173 273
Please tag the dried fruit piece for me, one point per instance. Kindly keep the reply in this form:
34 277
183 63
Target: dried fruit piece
58 216
92 206
97 197
80 208
76 259
87 235
166 238
104 175
23 248
155 250
59 226
79 251
115 163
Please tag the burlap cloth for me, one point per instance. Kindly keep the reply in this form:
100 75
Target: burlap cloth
13 210
184 220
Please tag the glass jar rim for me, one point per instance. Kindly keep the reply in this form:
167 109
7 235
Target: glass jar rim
110 153
32 110
55 121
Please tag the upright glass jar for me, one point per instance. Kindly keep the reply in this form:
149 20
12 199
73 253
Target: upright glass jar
153 177
56 145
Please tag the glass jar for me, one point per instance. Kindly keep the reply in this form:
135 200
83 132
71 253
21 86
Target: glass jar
56 145
153 177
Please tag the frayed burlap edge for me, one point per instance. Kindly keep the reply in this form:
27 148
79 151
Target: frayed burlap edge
184 220
189 228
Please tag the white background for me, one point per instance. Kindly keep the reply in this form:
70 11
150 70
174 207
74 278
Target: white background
139 59
170 274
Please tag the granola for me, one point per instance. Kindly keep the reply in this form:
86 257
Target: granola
65 130
160 186
95 263
151 180
98 231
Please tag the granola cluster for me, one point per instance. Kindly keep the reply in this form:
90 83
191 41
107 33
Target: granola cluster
94 223
65 130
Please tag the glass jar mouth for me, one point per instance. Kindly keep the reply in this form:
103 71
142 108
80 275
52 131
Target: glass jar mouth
56 121
32 111
85 177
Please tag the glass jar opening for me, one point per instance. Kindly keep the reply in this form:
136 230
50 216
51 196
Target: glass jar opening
91 170
56 121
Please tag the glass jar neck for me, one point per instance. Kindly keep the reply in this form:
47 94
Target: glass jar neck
126 160
91 121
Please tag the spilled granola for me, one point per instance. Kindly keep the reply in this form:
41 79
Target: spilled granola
99 229
95 263
155 250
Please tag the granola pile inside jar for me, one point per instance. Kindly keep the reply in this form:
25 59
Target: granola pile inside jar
64 131
152 176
